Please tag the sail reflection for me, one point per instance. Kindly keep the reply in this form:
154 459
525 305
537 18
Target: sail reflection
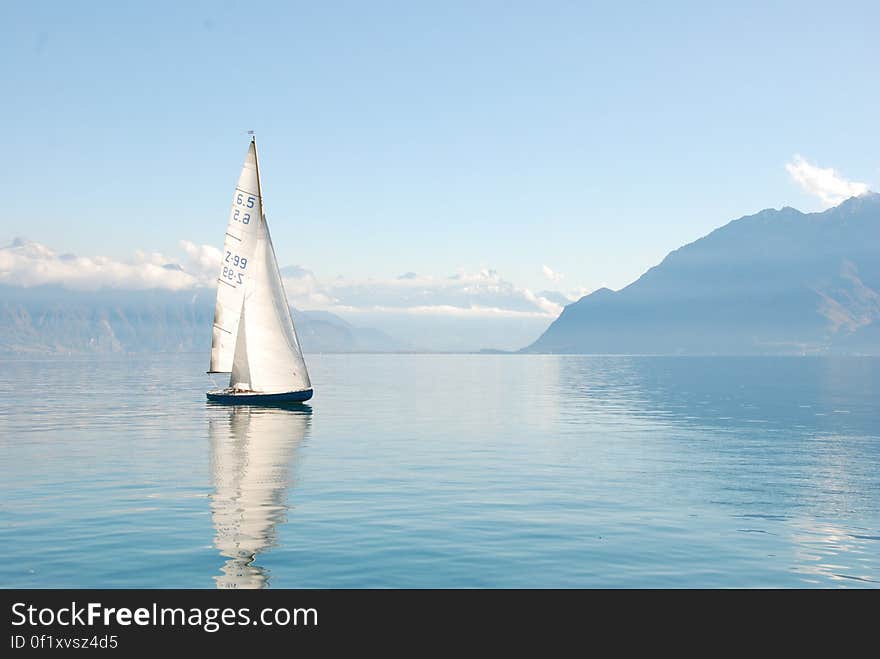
252 452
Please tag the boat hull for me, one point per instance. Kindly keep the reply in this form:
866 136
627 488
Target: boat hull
252 398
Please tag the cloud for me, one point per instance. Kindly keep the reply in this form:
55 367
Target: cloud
556 296
478 294
295 271
473 311
25 263
824 183
550 274
204 260
481 294
304 290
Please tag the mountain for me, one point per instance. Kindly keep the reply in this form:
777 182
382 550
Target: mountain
322 331
51 319
778 282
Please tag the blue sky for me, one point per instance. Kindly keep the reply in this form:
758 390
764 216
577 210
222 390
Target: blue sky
591 138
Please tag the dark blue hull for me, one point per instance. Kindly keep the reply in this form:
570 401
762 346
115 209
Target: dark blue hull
259 399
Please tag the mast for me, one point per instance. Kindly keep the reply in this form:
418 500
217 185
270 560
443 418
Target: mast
259 185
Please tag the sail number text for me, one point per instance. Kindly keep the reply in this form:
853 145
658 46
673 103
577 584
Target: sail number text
233 271
248 202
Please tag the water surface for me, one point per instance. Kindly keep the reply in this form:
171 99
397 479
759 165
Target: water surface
444 470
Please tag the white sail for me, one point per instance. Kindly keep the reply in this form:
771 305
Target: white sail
240 377
236 267
268 358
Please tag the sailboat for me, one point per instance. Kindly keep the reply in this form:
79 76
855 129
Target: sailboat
254 339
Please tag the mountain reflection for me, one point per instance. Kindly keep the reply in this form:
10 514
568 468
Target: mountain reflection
252 452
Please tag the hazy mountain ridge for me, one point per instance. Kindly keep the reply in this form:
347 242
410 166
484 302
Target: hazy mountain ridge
779 281
51 319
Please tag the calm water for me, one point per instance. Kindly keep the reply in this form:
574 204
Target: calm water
418 470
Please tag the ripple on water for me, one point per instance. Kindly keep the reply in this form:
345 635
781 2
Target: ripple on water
445 470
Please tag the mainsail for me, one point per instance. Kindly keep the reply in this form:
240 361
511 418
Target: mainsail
236 267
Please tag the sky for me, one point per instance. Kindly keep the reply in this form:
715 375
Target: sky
548 146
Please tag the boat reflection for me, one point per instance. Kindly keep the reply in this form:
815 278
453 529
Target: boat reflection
252 453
